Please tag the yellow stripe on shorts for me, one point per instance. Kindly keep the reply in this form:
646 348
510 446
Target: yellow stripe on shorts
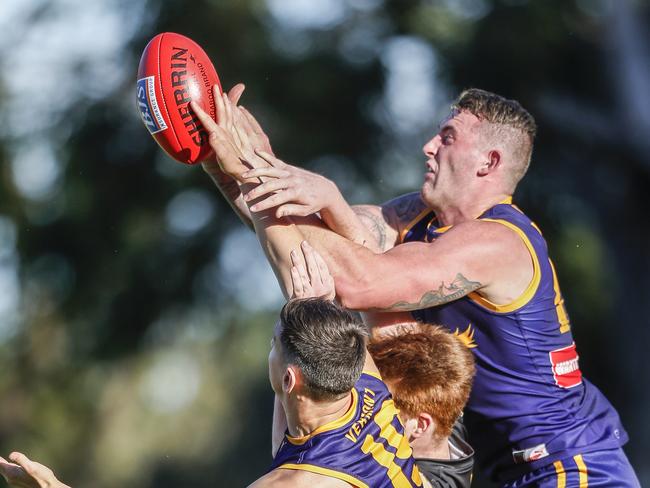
561 475
582 469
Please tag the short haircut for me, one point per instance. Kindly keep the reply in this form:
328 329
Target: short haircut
327 343
507 122
428 369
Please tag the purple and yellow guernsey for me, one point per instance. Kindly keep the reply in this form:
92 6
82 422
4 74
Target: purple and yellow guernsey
366 447
530 405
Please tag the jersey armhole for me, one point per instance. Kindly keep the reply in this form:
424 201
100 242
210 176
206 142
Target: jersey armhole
530 290
326 472
409 226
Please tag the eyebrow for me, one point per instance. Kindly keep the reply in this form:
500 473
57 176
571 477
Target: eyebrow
447 128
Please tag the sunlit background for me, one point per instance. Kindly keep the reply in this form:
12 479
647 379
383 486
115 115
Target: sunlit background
135 309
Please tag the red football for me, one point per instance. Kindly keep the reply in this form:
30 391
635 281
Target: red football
173 71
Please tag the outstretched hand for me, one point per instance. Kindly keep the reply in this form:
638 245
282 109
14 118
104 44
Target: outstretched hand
211 166
22 472
313 281
234 137
230 159
292 190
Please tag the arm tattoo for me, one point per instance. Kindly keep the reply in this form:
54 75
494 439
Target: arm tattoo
458 288
374 224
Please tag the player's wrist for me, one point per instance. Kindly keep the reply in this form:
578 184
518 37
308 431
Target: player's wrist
334 203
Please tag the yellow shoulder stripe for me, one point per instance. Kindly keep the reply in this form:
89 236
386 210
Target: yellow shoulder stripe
326 472
334 424
529 292
410 225
374 374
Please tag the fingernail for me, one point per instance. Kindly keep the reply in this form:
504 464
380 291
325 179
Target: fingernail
253 208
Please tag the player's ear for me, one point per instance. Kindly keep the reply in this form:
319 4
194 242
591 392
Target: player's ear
492 163
426 425
290 379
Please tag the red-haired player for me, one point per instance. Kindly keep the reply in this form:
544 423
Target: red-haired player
429 372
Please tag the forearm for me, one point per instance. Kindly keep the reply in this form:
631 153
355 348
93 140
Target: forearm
354 223
229 188
278 237
352 265
408 277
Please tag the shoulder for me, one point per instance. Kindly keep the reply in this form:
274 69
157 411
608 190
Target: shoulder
403 209
479 237
490 234
387 220
486 247
297 478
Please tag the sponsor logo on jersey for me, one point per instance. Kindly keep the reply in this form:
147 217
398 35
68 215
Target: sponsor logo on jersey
566 370
531 454
148 105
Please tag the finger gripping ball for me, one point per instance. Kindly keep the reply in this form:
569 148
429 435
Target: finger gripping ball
173 71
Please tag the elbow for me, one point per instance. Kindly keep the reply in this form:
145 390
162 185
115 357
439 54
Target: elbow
353 294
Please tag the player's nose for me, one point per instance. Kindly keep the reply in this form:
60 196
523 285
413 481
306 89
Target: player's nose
430 149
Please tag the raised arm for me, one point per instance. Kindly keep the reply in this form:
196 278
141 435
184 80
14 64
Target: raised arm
293 191
289 191
479 256
467 258
234 155
296 192
228 186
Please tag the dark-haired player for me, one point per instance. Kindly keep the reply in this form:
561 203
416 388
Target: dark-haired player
343 428
342 425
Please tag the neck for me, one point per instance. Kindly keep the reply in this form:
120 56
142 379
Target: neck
305 415
467 209
431 449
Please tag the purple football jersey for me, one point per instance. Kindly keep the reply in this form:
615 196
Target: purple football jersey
530 404
366 447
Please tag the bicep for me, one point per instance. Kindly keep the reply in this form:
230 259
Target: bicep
428 280
417 275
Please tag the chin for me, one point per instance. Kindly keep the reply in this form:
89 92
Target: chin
428 195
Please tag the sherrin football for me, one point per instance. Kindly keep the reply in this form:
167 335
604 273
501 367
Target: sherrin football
173 71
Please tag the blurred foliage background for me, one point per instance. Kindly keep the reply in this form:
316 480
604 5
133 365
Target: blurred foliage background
135 310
